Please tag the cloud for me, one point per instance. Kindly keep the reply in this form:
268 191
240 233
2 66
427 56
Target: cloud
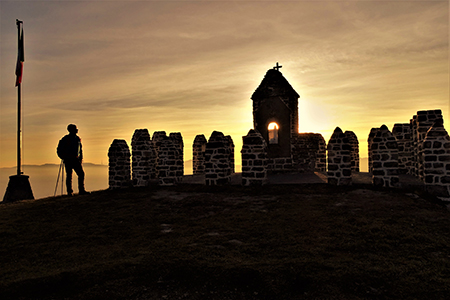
118 65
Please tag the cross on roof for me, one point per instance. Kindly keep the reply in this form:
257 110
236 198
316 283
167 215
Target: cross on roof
277 67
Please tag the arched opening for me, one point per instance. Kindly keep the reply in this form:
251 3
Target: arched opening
273 133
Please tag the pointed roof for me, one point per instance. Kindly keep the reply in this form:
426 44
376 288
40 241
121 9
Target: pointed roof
274 84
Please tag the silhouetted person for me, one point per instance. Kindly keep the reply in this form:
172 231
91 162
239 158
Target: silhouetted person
71 152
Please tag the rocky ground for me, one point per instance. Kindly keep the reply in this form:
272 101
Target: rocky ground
285 241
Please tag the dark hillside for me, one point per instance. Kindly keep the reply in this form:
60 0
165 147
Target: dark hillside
197 242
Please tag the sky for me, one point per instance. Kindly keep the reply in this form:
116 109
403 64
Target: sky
111 67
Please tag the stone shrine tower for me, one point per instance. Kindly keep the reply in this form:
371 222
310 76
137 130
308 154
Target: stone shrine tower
275 101
275 117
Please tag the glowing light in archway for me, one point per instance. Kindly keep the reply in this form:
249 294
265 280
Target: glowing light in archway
273 126
273 133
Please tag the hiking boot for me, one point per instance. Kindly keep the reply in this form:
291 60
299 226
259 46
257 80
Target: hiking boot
70 194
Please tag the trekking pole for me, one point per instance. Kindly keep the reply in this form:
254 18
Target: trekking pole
62 177
57 179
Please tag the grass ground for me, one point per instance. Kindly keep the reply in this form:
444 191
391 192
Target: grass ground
197 242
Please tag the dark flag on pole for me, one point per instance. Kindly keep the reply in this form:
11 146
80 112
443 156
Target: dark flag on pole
20 60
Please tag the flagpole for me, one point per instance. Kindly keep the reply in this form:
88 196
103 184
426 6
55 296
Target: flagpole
19 144
19 110
19 187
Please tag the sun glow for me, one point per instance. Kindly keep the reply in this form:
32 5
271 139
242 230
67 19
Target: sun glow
313 117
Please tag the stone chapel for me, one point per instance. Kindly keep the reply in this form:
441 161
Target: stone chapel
275 117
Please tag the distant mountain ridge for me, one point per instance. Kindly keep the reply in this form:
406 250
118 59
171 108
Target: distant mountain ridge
52 165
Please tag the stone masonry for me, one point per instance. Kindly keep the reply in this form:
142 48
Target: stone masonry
254 159
275 101
420 148
436 165
402 133
119 165
385 159
157 138
231 146
425 119
426 161
339 159
354 152
178 138
280 164
321 156
414 142
217 160
309 152
198 154
372 134
143 158
169 161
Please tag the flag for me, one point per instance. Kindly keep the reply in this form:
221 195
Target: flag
20 60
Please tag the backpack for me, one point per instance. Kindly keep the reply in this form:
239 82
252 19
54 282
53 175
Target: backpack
61 149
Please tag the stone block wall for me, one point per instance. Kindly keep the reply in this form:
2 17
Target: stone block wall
436 164
157 138
169 161
178 139
321 158
372 134
158 158
254 159
143 158
308 152
217 160
339 159
354 152
231 146
414 142
119 165
198 154
425 119
280 164
385 159
410 150
402 133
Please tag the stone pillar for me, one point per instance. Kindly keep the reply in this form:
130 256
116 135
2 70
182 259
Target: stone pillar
254 159
425 119
402 133
436 165
119 165
198 154
308 152
339 159
168 160
143 158
414 144
157 138
178 138
321 158
354 152
385 159
217 160
372 134
231 146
